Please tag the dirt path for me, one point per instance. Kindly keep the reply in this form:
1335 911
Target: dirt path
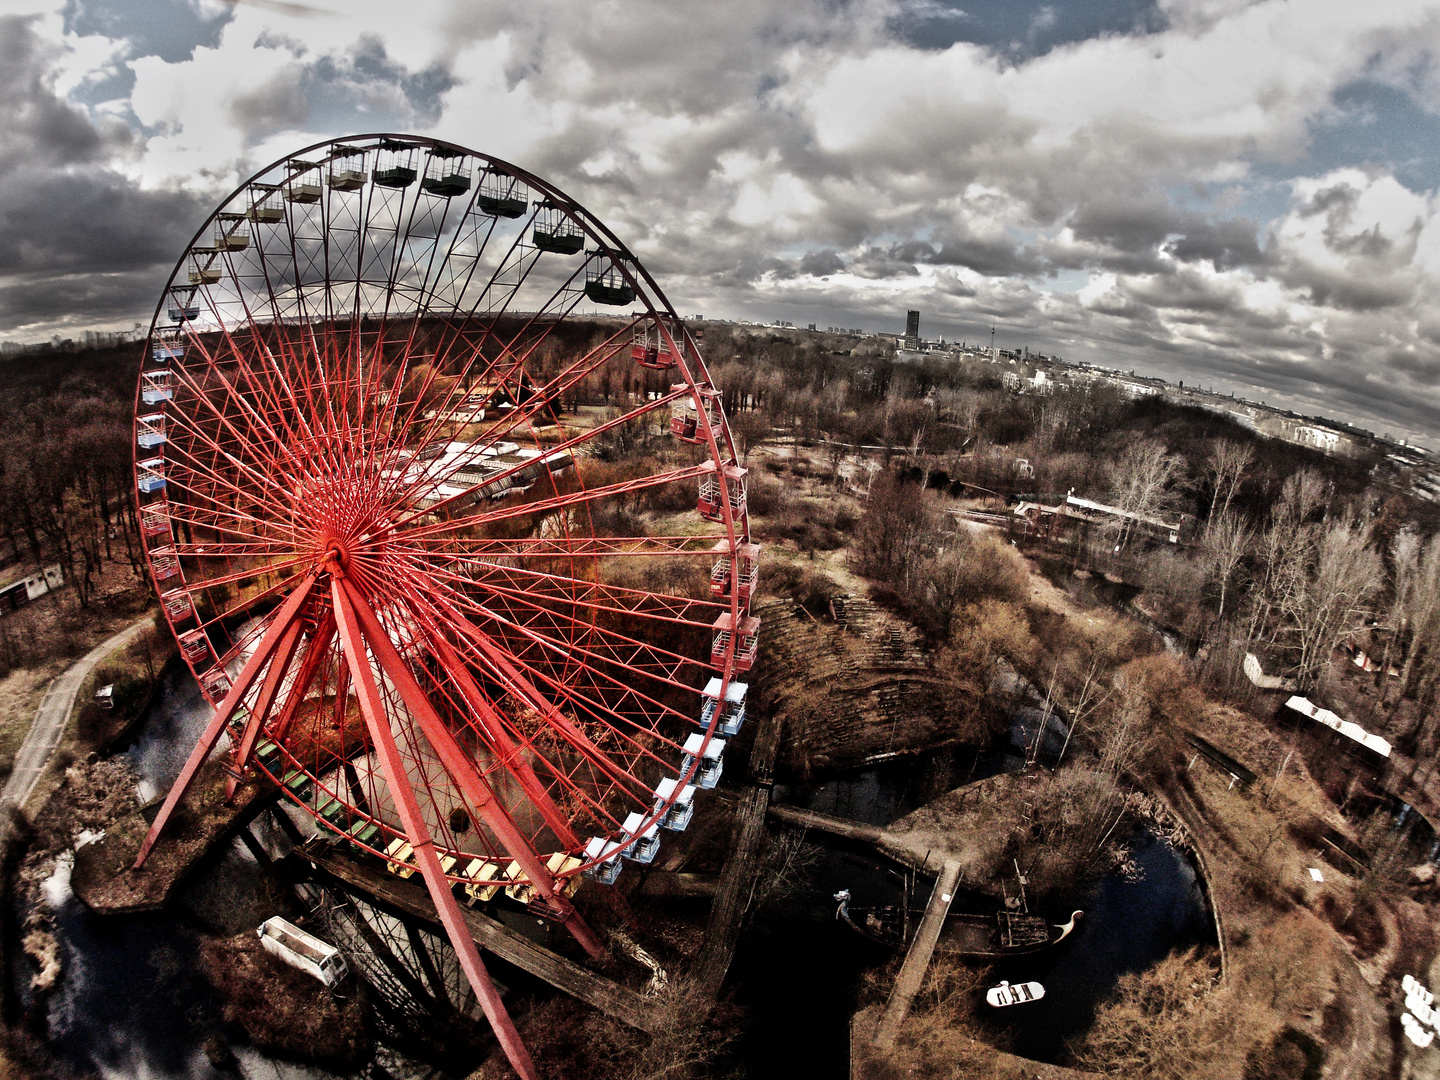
53 716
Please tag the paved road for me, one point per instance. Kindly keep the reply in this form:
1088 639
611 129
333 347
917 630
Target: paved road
53 717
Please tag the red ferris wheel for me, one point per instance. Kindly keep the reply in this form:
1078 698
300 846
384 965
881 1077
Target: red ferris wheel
410 517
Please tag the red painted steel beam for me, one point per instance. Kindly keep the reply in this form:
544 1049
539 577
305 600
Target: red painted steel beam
520 685
492 728
353 642
287 613
309 667
266 698
462 770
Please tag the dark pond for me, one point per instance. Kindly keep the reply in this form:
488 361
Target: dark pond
1129 924
799 972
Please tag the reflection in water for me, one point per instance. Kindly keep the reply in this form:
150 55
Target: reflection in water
800 972
133 1005
1129 925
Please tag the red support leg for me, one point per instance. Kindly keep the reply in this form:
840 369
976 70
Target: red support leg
462 770
279 625
273 678
393 766
309 667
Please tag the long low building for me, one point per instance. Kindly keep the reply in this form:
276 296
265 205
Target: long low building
1350 730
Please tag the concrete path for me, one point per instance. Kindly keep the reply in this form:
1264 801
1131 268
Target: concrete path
917 960
53 717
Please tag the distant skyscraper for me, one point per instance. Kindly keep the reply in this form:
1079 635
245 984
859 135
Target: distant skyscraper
912 330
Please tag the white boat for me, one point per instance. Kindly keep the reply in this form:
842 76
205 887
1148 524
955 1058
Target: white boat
1017 994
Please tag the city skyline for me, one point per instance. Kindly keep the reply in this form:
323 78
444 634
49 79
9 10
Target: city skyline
1233 195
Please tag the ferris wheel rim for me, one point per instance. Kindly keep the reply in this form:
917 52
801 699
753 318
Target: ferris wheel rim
647 291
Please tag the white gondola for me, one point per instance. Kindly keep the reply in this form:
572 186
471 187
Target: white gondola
302 951
607 853
156 386
151 431
707 774
1006 994
152 475
732 715
644 845
681 810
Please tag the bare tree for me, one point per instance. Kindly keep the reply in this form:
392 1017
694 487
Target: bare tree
1227 539
1417 603
1329 597
1226 465
1138 482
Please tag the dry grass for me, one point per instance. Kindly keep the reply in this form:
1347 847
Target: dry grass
20 694
284 1011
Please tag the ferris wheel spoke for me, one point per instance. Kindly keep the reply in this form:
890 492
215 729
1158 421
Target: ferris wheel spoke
536 586
543 507
261 656
316 653
524 610
560 448
511 673
260 710
566 652
490 726
514 370
513 367
453 759
567 547
213 364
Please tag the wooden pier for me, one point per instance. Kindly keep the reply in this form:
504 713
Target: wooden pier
405 897
842 827
917 960
723 930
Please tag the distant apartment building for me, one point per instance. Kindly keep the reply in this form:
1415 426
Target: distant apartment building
912 331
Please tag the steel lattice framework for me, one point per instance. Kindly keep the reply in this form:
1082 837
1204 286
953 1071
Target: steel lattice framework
406 567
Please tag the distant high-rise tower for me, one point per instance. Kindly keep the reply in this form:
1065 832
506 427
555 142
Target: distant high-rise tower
912 330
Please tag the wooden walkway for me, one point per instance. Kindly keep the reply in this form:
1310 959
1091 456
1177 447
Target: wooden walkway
917 960
811 819
723 930
614 1000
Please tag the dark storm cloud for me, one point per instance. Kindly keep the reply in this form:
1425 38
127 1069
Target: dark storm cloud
366 79
56 221
77 238
1225 245
277 105
821 263
992 258
36 126
57 300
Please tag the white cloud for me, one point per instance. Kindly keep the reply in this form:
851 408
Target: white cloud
725 142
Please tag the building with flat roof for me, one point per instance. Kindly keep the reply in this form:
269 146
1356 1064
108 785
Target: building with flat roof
912 330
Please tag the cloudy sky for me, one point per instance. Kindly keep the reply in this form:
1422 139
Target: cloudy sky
1237 194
